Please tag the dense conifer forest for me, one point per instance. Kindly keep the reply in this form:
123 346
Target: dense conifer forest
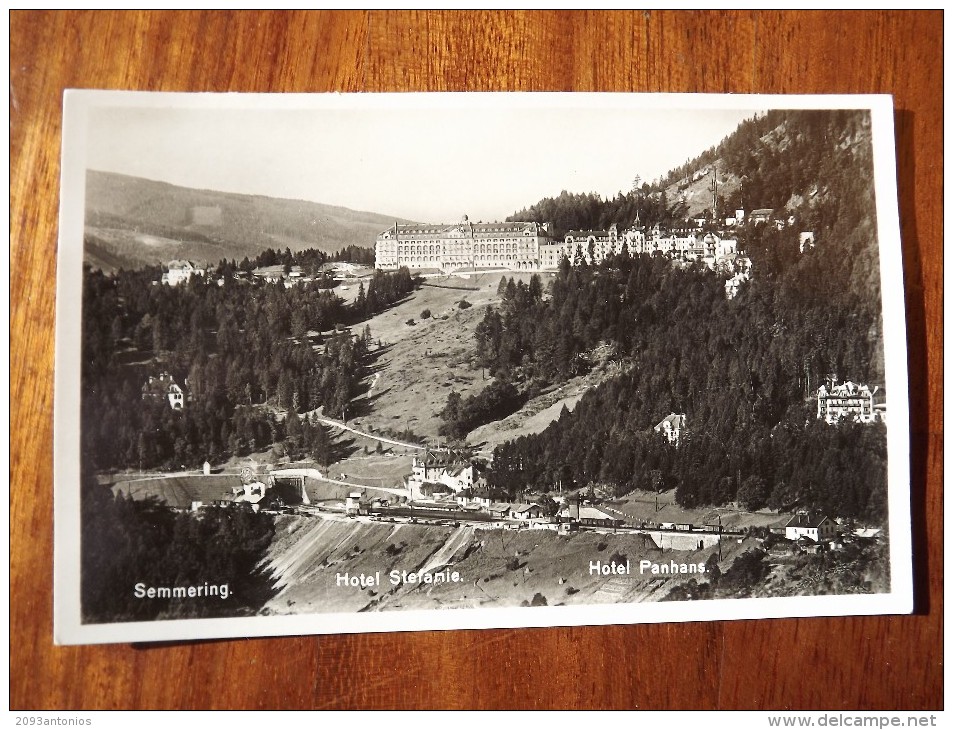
243 352
309 259
744 371
126 542
246 349
590 212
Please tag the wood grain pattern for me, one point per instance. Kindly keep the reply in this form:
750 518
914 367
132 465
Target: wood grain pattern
849 663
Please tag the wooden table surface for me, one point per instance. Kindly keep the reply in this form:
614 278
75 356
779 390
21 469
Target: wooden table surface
819 663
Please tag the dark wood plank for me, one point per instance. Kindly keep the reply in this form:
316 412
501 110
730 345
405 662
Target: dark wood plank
875 662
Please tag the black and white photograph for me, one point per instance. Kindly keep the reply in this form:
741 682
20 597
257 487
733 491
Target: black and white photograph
386 362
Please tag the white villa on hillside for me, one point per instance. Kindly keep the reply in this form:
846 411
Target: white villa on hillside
181 271
671 427
164 387
848 401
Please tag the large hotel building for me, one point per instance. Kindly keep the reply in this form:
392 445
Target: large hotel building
528 246
449 247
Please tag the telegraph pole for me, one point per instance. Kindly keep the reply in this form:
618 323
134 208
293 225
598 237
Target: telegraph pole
719 537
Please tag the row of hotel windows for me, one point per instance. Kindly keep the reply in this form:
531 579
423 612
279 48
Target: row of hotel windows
480 248
433 253
439 238
498 248
458 244
443 232
428 258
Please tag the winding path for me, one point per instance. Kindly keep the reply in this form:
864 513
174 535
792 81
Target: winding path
375 437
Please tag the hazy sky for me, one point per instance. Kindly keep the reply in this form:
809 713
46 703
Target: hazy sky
431 163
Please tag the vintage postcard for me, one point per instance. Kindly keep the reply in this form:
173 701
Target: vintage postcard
390 362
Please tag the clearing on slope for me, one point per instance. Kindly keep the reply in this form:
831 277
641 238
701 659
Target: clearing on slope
419 364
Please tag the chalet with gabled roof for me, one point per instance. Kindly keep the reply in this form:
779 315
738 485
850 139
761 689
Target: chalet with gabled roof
164 387
816 527
526 512
499 510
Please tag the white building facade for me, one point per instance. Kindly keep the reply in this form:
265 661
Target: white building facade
848 401
463 245
529 246
180 272
816 527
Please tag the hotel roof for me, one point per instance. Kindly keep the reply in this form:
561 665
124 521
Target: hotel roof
805 520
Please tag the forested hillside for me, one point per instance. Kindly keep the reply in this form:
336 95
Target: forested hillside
243 353
126 543
590 212
743 371
240 346
813 164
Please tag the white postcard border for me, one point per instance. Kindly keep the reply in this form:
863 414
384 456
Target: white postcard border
68 628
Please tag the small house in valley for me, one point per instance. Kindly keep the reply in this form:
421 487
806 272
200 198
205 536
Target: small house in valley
526 512
816 527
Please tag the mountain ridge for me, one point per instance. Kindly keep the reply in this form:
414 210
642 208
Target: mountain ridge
133 221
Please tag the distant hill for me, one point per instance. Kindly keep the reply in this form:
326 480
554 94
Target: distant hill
131 222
